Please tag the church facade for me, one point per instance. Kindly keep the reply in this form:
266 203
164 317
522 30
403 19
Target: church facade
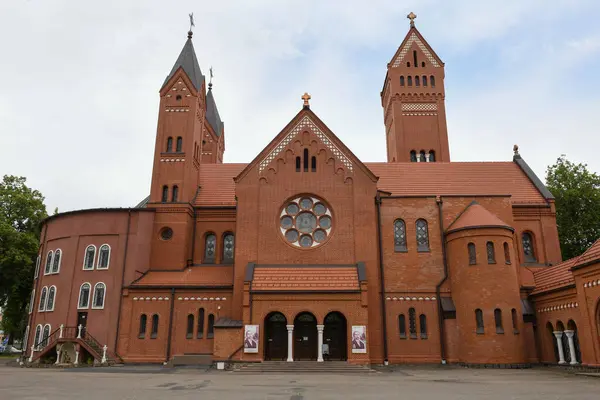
309 253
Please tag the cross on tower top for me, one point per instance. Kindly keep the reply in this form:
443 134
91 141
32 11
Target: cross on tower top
412 17
306 97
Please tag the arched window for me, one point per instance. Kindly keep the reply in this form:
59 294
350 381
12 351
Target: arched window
408 63
104 257
31 301
515 321
228 248
90 255
402 80
422 235
165 194
210 248
51 297
305 160
423 64
506 253
175 194
432 81
313 164
298 164
143 323
423 326
189 334
400 236
200 332
154 331
422 157
99 295
84 296
424 80
409 80
491 252
38 261
56 261
498 319
415 58
37 338
43 296
169 144
412 323
402 326
479 321
472 254
210 332
413 156
48 267
431 156
46 335
528 249
179 144
417 81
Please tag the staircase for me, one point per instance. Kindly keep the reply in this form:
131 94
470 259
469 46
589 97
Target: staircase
191 359
329 367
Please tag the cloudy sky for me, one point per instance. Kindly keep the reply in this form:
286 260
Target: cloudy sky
80 81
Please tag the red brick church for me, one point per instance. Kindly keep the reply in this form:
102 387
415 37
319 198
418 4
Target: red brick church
309 253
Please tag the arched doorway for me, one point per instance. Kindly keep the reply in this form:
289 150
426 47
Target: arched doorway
275 336
305 337
572 326
560 327
335 337
550 334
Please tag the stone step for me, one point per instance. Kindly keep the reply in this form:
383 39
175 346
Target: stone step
191 359
301 367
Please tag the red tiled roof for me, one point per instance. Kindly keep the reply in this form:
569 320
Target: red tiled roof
305 279
476 215
591 254
194 276
554 277
414 179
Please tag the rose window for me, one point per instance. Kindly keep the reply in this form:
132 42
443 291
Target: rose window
305 222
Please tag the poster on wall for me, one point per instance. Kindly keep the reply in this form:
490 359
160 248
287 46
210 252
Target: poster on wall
359 339
251 338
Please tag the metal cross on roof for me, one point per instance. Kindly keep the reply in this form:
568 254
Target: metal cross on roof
412 17
306 97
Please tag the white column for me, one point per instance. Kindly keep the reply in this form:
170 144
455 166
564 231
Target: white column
561 352
76 358
104 354
61 331
427 157
32 351
290 329
58 351
418 157
570 335
79 328
320 343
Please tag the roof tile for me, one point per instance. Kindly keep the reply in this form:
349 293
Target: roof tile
305 278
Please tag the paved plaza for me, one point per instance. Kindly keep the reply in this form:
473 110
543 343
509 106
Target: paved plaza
150 383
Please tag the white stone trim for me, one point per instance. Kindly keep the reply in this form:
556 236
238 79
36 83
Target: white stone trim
558 307
411 298
94 307
591 283
200 298
89 296
49 262
47 308
100 252
93 258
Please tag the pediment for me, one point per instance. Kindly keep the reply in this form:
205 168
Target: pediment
415 38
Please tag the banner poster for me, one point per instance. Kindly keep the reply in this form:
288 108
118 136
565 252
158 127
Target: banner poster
359 339
251 338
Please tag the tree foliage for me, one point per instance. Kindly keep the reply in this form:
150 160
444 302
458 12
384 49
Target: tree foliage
21 211
577 193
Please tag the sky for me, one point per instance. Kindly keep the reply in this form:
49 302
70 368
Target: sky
80 80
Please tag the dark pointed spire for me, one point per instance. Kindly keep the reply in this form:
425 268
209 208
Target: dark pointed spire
212 113
189 63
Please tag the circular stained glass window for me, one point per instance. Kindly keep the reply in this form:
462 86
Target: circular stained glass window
305 222
166 233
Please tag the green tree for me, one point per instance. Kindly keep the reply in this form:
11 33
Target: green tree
577 193
21 211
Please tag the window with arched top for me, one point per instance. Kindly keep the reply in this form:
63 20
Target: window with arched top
103 257
189 332
506 253
313 164
38 261
169 144
498 320
43 296
415 58
56 261
400 236
298 164
528 248
305 160
472 253
413 156
408 63
179 144
402 326
154 331
84 296
210 331
422 157
165 194
89 256
409 80
479 321
31 301
424 80
402 80
210 246
412 323
422 235
143 323
423 326
37 338
228 248
432 81
51 297
417 81
491 252
46 335
48 267
175 195
200 332
423 64
431 156
515 321
99 296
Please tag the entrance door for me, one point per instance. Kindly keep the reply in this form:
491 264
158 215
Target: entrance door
82 320
305 337
275 337
335 343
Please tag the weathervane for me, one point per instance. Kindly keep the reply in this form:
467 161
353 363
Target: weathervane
412 17
190 33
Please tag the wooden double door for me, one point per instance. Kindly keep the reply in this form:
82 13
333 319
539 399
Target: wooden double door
275 337
305 337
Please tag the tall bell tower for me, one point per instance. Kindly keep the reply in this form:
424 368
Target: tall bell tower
413 102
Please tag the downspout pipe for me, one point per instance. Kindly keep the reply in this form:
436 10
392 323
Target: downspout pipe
170 325
438 287
382 279
122 281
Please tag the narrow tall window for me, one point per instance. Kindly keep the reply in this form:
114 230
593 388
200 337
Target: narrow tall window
38 261
498 319
402 326
31 301
422 157
84 296
42 305
424 80
305 160
402 80
491 252
175 194
169 144
189 334
472 254
313 164
38 336
528 249
210 332
165 194
432 81
408 63
423 326
51 296
298 164
413 156
409 80
431 156
209 248
422 235
56 261
515 321
104 257
412 323
200 332
154 331
417 81
400 236
143 323
179 144
479 321
99 295
46 335
228 248
506 253
415 59
48 268
90 255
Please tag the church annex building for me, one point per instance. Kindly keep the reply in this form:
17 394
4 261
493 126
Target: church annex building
308 253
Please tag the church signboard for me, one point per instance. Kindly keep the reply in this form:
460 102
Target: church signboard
359 339
251 335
